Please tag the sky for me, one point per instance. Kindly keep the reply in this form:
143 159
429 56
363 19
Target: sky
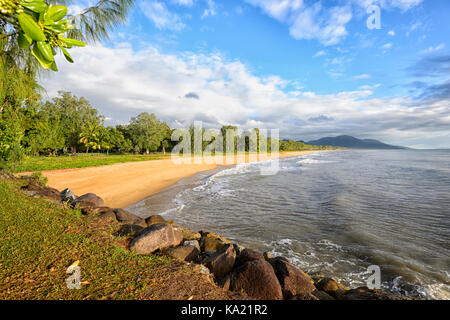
308 68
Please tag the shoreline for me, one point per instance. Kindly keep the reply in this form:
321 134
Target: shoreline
124 184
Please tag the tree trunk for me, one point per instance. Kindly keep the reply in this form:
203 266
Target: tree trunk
164 150
87 150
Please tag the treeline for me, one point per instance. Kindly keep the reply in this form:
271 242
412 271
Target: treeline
68 124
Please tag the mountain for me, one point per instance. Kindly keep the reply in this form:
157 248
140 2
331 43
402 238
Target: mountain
352 143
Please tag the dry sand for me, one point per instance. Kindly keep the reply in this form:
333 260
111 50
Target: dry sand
123 184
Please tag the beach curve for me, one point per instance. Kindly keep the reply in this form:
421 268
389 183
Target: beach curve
123 184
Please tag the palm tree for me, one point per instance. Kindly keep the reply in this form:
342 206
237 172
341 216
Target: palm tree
90 137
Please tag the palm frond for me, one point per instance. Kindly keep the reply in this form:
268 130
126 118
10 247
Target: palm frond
94 22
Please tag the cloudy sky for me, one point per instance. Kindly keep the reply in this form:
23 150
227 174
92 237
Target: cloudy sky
310 68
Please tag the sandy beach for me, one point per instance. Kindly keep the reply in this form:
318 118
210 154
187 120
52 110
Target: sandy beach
123 184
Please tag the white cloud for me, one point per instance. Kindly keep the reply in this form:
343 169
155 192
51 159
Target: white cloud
362 76
188 3
391 33
433 49
211 10
122 82
387 46
320 53
160 15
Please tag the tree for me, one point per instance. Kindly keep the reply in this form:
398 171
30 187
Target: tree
77 115
90 137
147 132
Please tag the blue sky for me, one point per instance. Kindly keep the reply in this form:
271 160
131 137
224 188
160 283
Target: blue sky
309 68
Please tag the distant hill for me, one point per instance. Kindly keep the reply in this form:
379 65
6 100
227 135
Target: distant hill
352 143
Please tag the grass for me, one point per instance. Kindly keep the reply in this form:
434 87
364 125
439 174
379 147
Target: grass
32 164
39 240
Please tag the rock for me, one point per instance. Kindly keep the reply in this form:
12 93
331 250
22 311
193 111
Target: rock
109 214
238 248
257 278
129 229
156 237
322 295
154 220
212 242
141 223
267 255
183 253
293 281
202 269
332 287
67 196
94 210
304 296
125 216
192 243
225 282
188 234
364 293
49 193
87 200
222 262
247 255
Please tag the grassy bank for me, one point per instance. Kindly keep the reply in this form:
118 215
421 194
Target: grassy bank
79 161
40 240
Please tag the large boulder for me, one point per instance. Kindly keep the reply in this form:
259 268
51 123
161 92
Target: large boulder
294 282
154 220
212 242
257 278
129 230
183 253
364 293
126 217
247 255
332 287
222 262
88 200
156 237
107 215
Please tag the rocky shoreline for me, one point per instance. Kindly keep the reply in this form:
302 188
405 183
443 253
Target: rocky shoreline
232 267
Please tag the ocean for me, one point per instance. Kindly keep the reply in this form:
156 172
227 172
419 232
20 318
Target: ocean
336 213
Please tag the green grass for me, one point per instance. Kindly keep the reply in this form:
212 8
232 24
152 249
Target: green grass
39 241
80 161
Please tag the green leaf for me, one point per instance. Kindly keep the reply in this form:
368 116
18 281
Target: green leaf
30 27
24 41
58 27
73 42
55 13
53 66
66 54
38 55
46 50
36 6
